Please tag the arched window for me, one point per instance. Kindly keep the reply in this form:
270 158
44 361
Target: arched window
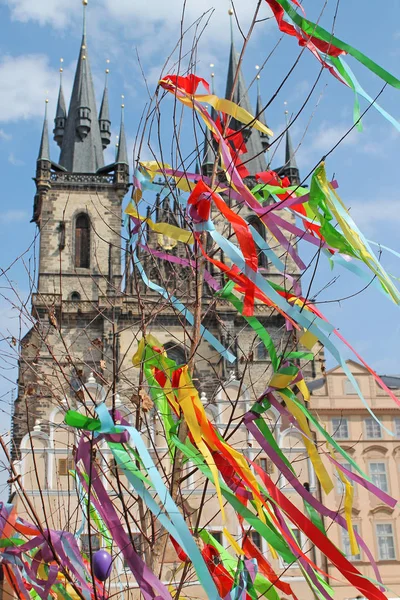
260 229
75 296
82 241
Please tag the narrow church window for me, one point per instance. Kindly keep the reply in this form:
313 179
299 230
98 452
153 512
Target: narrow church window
75 296
260 229
82 241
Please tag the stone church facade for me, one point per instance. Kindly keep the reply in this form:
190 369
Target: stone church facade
88 313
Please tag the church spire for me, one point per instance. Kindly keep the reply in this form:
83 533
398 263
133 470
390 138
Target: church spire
237 92
61 112
104 116
260 114
290 168
44 150
81 149
122 152
209 154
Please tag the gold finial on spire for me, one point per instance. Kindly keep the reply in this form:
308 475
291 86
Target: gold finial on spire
123 99
107 69
61 65
231 12
258 76
85 3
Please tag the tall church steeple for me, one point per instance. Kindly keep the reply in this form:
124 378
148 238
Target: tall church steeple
236 91
104 116
44 149
82 148
260 114
290 168
61 113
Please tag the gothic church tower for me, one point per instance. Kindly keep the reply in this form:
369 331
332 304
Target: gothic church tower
78 211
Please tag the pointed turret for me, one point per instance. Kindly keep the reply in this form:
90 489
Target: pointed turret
43 166
104 116
209 152
260 114
290 168
82 148
44 150
61 114
121 172
122 152
237 92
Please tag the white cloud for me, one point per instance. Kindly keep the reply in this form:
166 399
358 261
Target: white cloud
6 137
25 80
328 135
53 12
13 216
369 216
14 161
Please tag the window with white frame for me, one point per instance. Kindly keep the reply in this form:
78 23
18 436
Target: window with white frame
373 429
138 546
340 428
378 475
217 535
397 426
347 547
256 539
385 541
90 543
297 535
340 486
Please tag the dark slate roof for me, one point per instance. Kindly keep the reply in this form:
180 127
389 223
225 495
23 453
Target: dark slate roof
44 150
82 155
392 381
61 112
104 108
240 96
122 152
290 158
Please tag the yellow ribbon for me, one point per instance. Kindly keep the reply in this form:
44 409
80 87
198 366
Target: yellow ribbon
221 104
351 234
315 458
348 507
171 231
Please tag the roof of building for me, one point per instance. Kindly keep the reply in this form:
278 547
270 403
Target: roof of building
82 154
236 91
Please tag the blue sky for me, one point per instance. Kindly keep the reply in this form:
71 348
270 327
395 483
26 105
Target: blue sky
34 35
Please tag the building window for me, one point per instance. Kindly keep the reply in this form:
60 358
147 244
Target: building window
217 535
385 539
349 388
262 353
82 241
64 466
377 471
373 430
397 426
75 296
340 428
256 539
94 544
138 546
265 464
260 229
346 545
340 487
297 535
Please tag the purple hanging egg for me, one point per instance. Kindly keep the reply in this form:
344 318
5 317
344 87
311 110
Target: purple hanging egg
102 563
